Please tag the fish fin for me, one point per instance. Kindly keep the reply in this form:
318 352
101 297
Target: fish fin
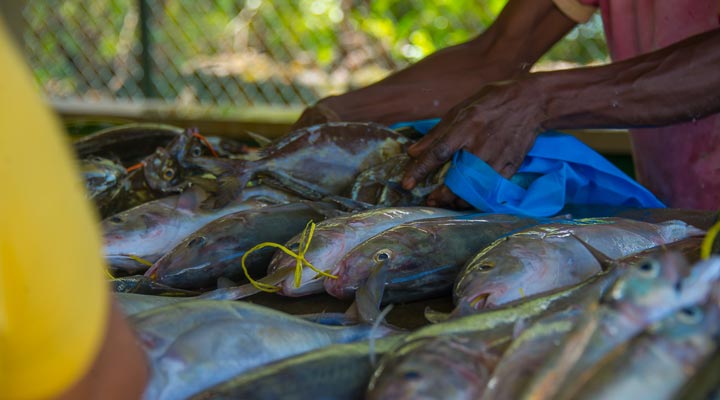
352 312
229 188
261 140
324 210
330 319
436 317
284 181
368 297
348 203
248 289
190 199
223 282
606 263
230 293
210 185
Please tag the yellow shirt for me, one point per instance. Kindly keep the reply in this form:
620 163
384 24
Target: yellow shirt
53 299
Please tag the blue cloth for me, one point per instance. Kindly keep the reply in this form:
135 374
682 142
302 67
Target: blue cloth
558 170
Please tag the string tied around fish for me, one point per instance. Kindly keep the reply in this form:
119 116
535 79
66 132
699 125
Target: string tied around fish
299 257
709 240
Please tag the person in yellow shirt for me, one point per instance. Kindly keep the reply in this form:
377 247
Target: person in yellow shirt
61 336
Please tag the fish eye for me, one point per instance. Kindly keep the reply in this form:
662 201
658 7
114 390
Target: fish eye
168 173
690 315
486 266
412 375
198 241
649 268
382 255
196 151
294 246
116 220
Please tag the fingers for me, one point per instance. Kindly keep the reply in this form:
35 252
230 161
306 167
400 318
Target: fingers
440 152
444 197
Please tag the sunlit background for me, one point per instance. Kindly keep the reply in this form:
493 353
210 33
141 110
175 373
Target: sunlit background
231 56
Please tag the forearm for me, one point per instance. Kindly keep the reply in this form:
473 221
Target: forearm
678 83
521 34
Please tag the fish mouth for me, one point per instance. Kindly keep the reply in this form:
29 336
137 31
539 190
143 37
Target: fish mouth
124 264
480 301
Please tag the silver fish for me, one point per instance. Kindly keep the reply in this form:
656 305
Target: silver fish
216 249
420 259
549 256
339 371
334 237
152 229
652 291
657 363
197 344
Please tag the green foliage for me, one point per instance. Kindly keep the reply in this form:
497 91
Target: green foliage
77 45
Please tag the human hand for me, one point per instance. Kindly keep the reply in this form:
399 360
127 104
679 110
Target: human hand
499 124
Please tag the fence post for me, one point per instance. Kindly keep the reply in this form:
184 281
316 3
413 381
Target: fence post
146 84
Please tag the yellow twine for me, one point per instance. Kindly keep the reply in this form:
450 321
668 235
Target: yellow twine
140 260
707 243
299 260
108 273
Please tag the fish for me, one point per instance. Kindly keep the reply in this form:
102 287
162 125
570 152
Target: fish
652 291
140 284
702 219
216 249
549 256
443 367
422 258
152 229
659 361
381 184
132 304
130 143
192 346
532 337
102 178
334 237
338 371
324 157
528 352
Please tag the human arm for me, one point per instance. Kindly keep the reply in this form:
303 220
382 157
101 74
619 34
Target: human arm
523 32
499 123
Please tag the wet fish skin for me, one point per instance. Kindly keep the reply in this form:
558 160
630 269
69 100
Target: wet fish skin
130 142
334 237
548 256
422 257
336 372
142 285
216 249
657 363
444 367
190 348
528 351
152 229
133 304
651 291
327 156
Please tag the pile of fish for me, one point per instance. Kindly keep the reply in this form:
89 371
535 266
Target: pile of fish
596 302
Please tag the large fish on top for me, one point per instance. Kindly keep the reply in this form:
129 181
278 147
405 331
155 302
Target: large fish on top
321 159
550 256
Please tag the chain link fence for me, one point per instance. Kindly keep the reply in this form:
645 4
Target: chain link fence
247 53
